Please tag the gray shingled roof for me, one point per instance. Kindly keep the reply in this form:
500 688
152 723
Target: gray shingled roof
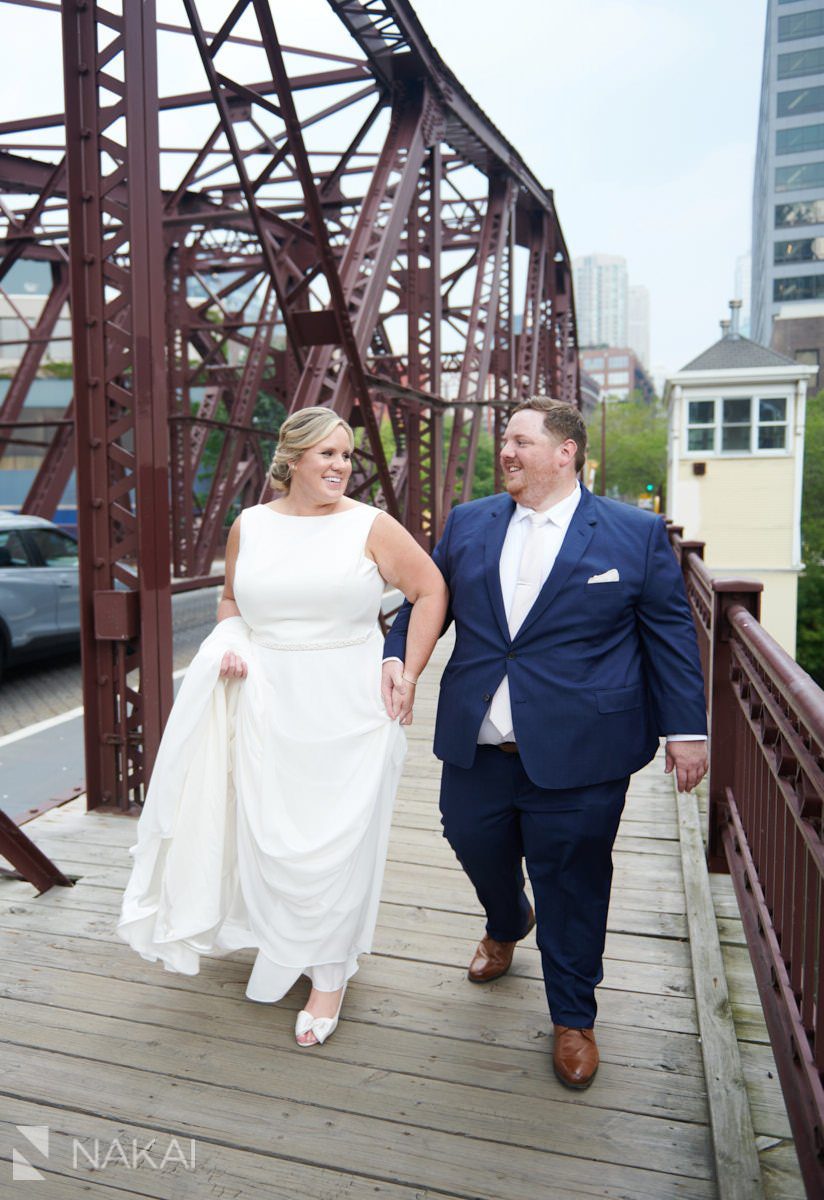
734 351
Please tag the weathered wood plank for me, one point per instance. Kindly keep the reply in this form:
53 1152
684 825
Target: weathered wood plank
523 1071
413 881
412 978
738 1171
107 900
424 1102
340 1140
220 1170
208 1002
435 924
431 1089
64 947
780 1170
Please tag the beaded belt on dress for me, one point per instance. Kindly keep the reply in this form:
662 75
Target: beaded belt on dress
269 645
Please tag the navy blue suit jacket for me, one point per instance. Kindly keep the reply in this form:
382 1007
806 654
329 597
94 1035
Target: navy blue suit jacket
597 671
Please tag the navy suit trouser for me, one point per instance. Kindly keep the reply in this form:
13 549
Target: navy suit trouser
494 817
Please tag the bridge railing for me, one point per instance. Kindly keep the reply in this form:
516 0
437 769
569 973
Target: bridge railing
766 796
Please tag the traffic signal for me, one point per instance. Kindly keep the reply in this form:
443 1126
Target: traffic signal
650 487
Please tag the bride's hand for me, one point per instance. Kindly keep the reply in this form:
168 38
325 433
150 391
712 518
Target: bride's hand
405 700
398 693
232 666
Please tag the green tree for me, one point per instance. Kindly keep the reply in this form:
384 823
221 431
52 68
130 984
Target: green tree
636 439
810 643
56 370
483 482
268 415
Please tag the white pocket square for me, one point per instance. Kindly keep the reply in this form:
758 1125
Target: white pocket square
610 576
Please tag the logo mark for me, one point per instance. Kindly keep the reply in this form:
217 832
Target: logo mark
37 1136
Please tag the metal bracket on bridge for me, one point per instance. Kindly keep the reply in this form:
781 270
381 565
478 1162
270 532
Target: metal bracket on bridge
28 859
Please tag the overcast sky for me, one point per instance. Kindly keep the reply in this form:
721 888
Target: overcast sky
640 114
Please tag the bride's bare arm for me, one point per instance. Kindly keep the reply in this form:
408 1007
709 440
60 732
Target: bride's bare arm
404 565
232 665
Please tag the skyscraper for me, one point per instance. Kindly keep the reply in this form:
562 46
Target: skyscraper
742 290
638 324
601 301
788 191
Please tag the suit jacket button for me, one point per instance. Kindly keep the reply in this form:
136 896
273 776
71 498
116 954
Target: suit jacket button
512 655
487 697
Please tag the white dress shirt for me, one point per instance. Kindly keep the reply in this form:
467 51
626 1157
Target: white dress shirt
552 532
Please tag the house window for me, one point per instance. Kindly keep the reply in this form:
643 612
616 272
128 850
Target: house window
736 428
701 425
772 424
736 425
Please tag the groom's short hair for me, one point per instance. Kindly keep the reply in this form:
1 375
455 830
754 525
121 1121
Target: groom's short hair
561 421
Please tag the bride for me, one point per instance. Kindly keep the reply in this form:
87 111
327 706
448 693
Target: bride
267 818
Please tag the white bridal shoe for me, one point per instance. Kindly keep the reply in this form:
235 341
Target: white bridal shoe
321 1027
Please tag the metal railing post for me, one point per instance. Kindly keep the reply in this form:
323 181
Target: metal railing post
723 706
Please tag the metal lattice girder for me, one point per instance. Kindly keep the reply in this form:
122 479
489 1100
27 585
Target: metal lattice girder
336 228
121 433
236 460
467 422
532 329
420 295
368 256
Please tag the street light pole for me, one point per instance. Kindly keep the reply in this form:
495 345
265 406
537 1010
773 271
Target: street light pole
603 469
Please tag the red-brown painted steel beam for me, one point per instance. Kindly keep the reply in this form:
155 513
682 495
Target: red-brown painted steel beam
117 289
474 372
339 308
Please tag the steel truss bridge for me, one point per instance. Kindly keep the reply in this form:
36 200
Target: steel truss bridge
338 224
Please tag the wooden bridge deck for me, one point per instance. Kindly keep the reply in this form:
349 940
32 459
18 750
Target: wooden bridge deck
431 1087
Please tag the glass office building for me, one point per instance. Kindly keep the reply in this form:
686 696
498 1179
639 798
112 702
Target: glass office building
788 192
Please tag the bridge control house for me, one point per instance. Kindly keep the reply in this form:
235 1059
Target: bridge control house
735 464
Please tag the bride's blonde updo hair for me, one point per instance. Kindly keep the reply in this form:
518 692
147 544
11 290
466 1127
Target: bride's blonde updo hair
298 433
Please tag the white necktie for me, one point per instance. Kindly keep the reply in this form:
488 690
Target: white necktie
530 582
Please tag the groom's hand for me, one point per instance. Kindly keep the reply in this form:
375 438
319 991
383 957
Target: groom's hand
689 761
398 695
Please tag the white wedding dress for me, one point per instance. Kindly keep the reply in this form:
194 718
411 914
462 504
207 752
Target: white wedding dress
267 817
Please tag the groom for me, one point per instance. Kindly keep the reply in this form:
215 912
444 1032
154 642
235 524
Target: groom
575 651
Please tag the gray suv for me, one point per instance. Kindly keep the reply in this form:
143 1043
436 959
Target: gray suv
39 589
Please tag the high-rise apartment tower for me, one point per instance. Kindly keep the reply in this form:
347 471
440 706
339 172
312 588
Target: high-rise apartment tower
601 306
638 322
788 191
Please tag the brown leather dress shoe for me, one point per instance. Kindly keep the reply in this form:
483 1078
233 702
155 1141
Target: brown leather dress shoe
493 959
575 1057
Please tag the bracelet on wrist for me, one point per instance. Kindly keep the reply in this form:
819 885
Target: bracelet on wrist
408 680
